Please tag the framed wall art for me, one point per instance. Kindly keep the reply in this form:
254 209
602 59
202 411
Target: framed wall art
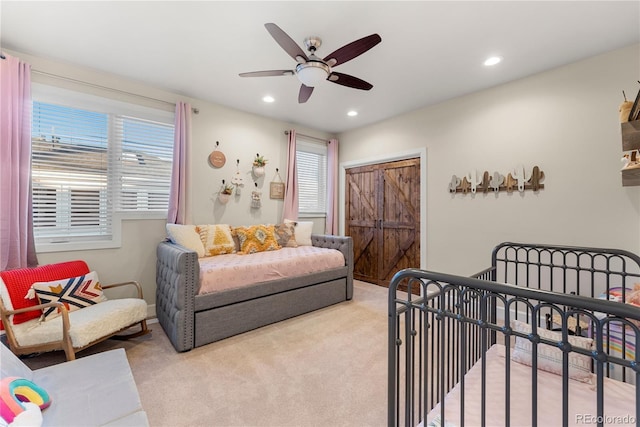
276 188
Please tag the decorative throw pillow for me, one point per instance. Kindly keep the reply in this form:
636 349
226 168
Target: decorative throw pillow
236 241
257 238
187 236
75 293
285 234
216 239
303 230
18 281
550 358
21 402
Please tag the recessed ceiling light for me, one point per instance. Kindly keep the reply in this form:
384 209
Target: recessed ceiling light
352 113
268 99
493 60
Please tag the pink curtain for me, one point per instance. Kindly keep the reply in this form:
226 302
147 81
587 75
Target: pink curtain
291 184
331 226
17 247
178 212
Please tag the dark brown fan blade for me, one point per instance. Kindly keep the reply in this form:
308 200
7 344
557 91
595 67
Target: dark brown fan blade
351 50
350 81
268 73
285 41
305 93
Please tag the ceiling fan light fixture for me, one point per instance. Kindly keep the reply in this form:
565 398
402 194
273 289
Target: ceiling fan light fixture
312 73
311 70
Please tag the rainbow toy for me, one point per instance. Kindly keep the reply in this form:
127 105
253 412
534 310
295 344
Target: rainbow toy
16 394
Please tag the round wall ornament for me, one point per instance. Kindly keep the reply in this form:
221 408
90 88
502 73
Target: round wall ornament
217 158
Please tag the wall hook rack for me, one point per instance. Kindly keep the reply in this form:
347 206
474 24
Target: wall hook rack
518 179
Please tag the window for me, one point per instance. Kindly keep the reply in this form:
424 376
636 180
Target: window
147 150
311 160
95 160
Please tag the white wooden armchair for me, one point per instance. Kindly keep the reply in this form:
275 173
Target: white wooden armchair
70 312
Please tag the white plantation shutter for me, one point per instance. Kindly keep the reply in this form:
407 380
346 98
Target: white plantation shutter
311 160
88 165
70 174
145 164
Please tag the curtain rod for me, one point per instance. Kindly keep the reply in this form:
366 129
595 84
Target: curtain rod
286 132
69 79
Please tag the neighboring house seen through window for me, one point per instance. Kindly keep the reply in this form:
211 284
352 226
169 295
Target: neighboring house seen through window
93 166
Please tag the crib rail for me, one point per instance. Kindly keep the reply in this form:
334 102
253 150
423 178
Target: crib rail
435 338
565 269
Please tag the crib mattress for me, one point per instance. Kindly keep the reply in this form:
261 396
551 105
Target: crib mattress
619 397
231 271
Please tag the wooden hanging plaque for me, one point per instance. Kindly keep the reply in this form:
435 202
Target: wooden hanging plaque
217 159
276 190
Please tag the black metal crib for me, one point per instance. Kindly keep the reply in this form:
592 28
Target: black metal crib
542 336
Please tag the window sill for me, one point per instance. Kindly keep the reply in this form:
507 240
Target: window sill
113 243
312 215
77 246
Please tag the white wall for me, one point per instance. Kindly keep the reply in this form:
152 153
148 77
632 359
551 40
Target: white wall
565 121
241 136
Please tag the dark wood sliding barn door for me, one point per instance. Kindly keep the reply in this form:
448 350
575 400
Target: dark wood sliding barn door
383 218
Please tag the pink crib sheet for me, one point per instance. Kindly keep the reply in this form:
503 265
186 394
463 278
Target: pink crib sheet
619 397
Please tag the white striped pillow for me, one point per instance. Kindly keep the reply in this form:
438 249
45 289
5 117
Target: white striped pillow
550 358
75 293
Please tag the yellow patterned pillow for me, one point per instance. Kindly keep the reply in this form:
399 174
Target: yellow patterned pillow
257 238
216 239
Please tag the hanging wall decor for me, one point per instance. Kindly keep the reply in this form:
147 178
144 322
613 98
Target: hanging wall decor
256 198
225 192
276 188
217 159
237 179
258 165
518 179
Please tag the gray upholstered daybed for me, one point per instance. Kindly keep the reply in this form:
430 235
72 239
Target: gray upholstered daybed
191 320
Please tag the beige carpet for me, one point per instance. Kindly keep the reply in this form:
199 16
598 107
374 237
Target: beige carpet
325 368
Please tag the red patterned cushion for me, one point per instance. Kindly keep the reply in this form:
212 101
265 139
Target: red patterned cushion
20 280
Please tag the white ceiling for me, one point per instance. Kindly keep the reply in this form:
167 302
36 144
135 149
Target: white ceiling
430 51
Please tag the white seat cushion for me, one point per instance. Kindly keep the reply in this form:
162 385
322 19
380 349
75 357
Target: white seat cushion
87 324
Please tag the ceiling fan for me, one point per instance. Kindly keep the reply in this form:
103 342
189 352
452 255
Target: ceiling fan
311 70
